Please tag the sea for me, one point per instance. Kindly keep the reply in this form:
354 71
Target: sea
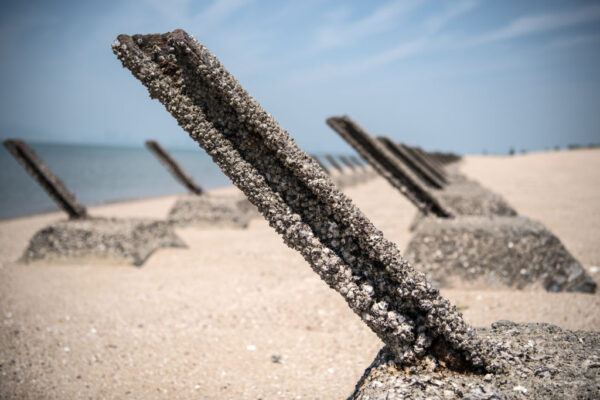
99 174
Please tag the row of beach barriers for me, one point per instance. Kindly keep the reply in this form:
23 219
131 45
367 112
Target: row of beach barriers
478 237
429 350
135 239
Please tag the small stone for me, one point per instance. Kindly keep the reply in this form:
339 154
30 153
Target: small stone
251 347
520 389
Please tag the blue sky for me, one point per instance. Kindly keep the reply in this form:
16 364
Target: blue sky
465 75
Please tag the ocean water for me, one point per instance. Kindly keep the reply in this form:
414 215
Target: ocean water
99 174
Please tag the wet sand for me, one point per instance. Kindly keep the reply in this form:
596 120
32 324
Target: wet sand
208 322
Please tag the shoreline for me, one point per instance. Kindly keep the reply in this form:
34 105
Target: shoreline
126 201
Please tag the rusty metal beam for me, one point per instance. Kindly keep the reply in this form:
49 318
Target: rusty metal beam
300 201
39 171
173 167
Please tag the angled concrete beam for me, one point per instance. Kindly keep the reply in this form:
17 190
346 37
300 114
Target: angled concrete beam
334 163
323 167
386 164
39 171
416 153
427 156
173 167
300 202
347 162
414 164
357 162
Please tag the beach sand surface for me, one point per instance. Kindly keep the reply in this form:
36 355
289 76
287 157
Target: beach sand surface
238 315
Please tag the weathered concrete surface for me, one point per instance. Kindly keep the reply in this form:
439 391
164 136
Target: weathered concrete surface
40 172
211 210
539 361
301 203
389 166
416 165
173 167
432 166
323 167
498 251
128 240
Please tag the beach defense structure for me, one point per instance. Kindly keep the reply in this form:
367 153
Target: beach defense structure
323 167
444 158
333 162
494 252
462 197
389 166
476 244
416 165
421 330
347 163
133 240
199 208
357 162
432 167
430 161
300 202
173 167
40 172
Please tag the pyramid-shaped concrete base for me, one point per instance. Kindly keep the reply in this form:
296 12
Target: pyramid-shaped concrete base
212 210
511 251
130 240
536 361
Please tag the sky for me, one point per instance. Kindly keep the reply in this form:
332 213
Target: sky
467 76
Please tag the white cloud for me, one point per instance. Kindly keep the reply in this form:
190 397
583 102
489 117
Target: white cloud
540 23
575 40
382 19
438 22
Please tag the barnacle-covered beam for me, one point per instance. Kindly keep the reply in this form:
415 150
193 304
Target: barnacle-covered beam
173 167
39 171
388 166
300 202
413 163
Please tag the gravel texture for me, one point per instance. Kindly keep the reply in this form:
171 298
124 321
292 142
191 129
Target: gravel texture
539 361
511 251
132 240
300 201
211 210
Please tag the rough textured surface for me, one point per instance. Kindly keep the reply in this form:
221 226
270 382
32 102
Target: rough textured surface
300 202
467 197
388 166
542 361
211 210
40 172
417 166
431 165
460 197
512 251
132 240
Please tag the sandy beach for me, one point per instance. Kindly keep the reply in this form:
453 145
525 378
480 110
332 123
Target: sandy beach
238 315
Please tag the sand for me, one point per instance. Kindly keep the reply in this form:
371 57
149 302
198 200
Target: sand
208 321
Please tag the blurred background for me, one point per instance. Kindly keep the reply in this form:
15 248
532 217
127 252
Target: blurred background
467 76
